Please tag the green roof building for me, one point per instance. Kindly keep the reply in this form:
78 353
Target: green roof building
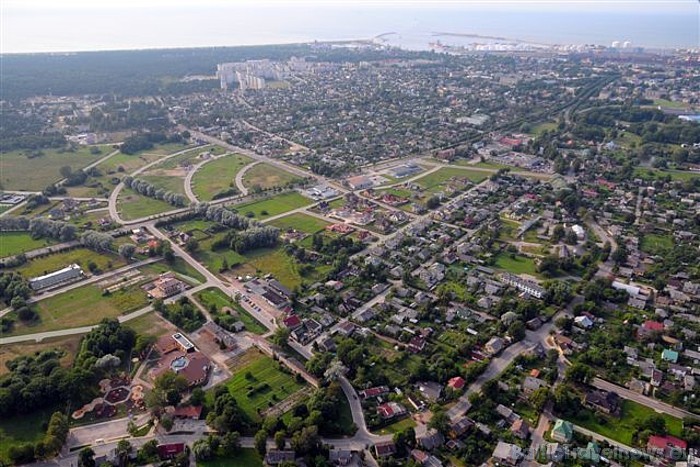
563 431
669 355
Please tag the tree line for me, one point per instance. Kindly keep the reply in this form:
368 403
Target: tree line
146 140
148 189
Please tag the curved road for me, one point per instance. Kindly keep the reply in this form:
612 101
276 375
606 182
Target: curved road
239 177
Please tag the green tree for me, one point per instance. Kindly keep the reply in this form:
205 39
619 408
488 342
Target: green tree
280 440
261 442
86 458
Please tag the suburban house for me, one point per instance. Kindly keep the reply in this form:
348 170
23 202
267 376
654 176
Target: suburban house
563 431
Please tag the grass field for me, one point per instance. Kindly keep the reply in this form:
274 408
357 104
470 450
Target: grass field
396 427
267 176
213 260
656 244
217 297
186 158
82 256
679 175
132 205
150 324
670 104
14 243
18 172
83 306
542 127
179 265
272 206
623 429
433 181
217 175
264 370
274 261
20 429
517 265
300 222
168 183
69 344
128 162
247 457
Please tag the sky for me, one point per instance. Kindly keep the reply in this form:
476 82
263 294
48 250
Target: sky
73 25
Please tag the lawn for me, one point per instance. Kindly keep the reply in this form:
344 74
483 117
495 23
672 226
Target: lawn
150 324
168 148
220 299
186 158
132 205
126 161
247 457
166 182
25 428
267 176
213 260
266 386
680 175
655 244
397 426
300 222
14 243
623 429
517 265
82 256
217 176
273 206
542 127
19 172
69 344
83 306
285 269
433 181
670 104
180 266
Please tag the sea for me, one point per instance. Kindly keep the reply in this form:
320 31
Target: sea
53 29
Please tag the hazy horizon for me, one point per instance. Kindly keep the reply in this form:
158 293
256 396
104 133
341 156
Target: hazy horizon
35 26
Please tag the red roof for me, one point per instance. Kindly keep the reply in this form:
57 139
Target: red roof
653 326
170 450
292 321
456 383
662 442
189 411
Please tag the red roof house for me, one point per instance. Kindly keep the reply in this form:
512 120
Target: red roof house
456 383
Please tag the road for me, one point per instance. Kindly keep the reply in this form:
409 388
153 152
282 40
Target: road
239 177
113 212
658 406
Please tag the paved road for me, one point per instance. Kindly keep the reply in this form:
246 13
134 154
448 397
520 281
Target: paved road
114 214
659 406
239 177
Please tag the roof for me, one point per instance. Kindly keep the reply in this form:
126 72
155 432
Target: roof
662 442
170 450
188 411
563 427
456 383
670 355
650 325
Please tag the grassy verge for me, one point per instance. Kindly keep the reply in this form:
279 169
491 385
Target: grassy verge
247 457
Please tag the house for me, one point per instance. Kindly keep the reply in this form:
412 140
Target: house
507 413
603 401
583 322
669 355
530 287
430 440
166 286
277 456
667 446
385 449
562 431
416 344
192 412
456 383
169 451
494 345
509 454
532 384
430 390
391 410
374 392
359 183
340 456
520 429
460 426
591 452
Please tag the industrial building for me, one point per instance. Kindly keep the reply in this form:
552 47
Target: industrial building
69 273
